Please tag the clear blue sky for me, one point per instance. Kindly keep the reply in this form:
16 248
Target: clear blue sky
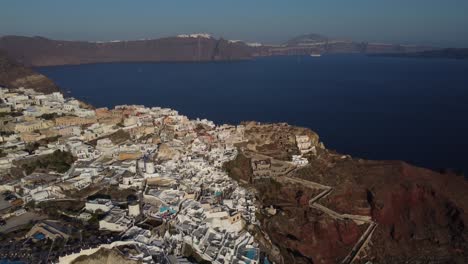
435 22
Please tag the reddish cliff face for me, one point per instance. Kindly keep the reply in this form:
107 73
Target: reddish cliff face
419 215
309 236
304 234
422 213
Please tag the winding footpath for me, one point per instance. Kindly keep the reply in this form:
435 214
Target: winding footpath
359 219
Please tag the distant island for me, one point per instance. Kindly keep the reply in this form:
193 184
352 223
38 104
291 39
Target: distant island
40 51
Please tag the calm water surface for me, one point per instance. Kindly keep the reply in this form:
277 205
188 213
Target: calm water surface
376 108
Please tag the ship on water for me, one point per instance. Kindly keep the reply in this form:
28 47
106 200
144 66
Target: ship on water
315 55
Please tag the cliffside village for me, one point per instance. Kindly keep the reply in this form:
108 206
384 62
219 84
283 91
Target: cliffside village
180 198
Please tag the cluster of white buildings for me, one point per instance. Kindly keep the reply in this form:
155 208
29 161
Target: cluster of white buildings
173 164
195 35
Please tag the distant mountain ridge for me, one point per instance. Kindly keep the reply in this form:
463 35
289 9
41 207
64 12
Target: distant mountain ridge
40 51
307 39
319 44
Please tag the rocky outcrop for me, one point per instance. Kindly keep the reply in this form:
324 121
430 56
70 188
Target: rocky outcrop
339 209
14 75
276 140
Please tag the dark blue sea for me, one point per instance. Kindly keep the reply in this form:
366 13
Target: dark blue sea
371 107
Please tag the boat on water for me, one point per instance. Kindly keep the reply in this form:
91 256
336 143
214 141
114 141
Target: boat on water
315 55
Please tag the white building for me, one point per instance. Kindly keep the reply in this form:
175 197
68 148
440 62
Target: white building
134 209
105 205
298 160
132 181
106 147
116 221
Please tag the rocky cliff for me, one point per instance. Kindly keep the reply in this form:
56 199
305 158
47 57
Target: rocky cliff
337 209
38 51
14 75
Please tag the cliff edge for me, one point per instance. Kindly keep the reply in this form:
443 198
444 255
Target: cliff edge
324 207
15 75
